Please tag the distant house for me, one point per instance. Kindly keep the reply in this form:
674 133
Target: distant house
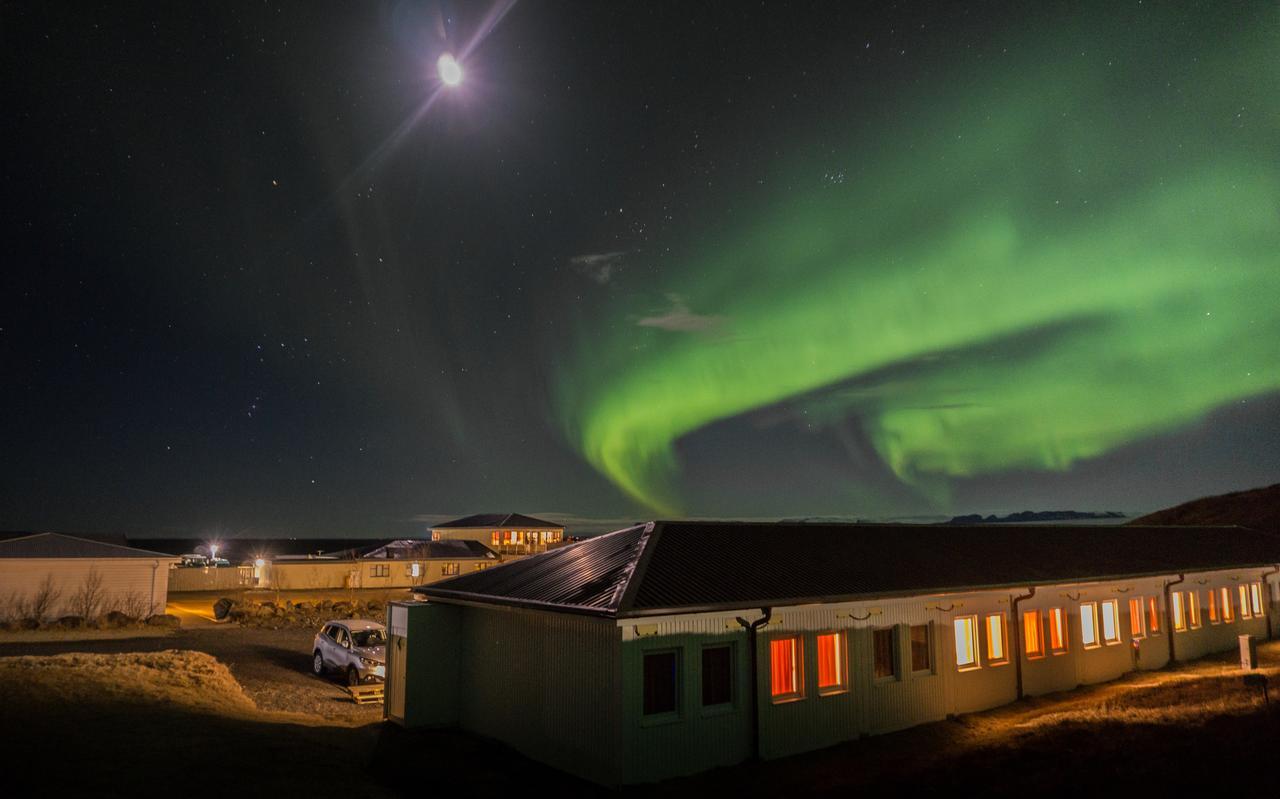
392 564
504 533
51 575
678 647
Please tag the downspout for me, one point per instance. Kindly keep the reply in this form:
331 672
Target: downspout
155 565
755 676
1168 614
1267 586
1016 623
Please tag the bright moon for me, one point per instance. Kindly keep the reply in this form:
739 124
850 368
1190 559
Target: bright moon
449 69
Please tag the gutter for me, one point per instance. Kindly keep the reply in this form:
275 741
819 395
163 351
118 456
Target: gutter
1266 585
1017 635
755 676
1168 614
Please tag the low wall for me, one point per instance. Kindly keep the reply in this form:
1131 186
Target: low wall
208 578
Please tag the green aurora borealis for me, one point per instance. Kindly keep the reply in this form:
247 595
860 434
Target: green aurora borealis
1026 268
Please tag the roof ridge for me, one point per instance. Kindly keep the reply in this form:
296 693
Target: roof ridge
626 592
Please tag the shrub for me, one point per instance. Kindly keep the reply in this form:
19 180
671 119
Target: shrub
88 599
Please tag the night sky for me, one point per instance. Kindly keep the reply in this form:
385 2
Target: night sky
264 274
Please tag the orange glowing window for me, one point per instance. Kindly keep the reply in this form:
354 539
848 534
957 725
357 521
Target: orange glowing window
1228 614
1057 631
1213 606
785 669
831 660
1244 603
996 654
1153 615
1033 640
1179 612
1136 629
1255 598
1193 608
966 632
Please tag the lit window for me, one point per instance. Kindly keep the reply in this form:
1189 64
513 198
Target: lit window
831 664
966 628
717 675
1228 614
1179 614
1034 640
996 655
921 648
884 653
785 669
1193 608
1255 597
1111 622
660 683
1153 615
1089 625
1136 628
1213 606
1057 631
448 569
414 570
1244 602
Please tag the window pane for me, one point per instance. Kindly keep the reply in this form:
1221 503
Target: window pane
717 675
784 659
1031 633
1089 624
830 661
995 638
1111 621
1213 606
966 641
920 658
1244 603
1227 613
1136 629
1256 598
882 641
659 683
1153 615
1057 630
1179 620
1193 607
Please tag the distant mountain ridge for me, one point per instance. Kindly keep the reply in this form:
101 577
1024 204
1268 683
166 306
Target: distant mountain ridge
1031 516
1257 508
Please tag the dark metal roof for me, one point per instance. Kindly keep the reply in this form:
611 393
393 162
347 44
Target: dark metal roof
499 521
57 545
587 577
686 566
416 549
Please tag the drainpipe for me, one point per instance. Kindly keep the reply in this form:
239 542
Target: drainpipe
1267 586
155 565
1016 623
1168 614
755 676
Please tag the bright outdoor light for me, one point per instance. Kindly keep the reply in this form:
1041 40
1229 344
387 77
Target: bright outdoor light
450 70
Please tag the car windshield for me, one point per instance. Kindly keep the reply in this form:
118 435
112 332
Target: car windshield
369 638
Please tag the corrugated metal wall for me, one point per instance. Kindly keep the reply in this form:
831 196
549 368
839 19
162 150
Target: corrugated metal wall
548 684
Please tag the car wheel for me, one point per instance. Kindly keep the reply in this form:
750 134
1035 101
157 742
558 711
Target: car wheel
353 676
317 663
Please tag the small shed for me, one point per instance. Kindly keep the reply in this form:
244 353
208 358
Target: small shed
50 575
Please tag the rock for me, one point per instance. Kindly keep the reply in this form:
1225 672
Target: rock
164 620
116 618
222 608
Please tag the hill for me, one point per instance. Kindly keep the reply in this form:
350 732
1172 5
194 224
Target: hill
1258 508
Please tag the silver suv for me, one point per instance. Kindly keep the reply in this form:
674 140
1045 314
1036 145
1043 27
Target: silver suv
355 647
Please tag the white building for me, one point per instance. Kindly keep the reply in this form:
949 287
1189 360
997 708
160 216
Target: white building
51 575
674 647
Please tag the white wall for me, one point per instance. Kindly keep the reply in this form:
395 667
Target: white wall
124 580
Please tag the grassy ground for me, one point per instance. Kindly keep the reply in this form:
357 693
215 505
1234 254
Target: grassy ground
252 721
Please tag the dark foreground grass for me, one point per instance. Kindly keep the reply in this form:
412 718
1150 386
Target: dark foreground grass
178 724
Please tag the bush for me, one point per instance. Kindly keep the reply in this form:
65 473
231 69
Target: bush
164 620
117 618
69 623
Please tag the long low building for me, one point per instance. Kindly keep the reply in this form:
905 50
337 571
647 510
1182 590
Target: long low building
682 646
47 576
395 564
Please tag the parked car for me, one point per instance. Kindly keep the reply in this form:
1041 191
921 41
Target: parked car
355 647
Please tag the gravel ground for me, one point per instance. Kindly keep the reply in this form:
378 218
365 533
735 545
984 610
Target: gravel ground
274 666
